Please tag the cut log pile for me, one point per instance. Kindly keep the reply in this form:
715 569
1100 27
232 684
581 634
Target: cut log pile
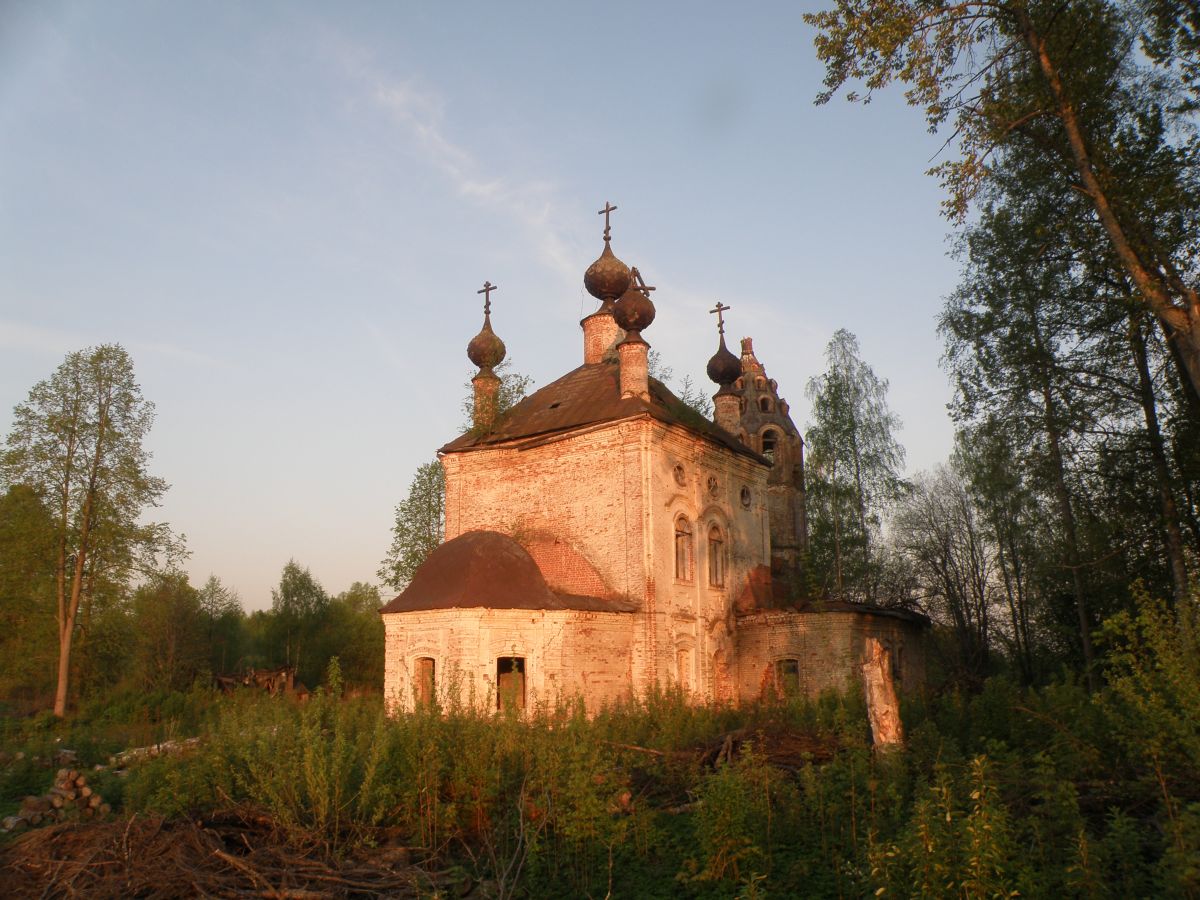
70 798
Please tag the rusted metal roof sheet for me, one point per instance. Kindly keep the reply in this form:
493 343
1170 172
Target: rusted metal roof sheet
488 569
591 395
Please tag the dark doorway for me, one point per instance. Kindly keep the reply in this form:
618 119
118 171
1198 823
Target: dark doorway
423 689
510 682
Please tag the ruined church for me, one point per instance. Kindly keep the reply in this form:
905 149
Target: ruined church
602 537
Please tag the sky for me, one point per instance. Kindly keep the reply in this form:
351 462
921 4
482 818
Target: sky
283 211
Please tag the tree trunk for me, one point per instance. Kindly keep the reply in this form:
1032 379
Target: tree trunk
67 623
1182 319
1162 473
883 707
1065 507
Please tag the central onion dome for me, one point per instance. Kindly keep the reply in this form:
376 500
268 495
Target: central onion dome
634 311
607 278
486 350
724 368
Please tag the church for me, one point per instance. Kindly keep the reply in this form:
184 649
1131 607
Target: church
602 537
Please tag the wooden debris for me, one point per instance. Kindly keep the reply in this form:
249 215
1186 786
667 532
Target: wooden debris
232 854
69 797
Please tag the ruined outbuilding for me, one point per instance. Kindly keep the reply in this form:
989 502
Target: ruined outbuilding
602 537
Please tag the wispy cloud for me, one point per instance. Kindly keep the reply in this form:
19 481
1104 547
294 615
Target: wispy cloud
421 112
23 337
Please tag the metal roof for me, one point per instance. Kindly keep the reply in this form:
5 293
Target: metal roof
591 395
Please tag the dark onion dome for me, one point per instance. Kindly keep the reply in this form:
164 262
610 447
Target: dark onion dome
607 278
486 350
634 311
724 368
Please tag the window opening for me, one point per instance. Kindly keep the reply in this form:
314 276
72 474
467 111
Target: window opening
510 682
425 683
764 403
716 557
683 549
787 676
769 440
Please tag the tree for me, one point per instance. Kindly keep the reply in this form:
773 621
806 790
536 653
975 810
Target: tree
27 631
78 441
1058 79
420 517
420 525
513 388
354 621
938 528
689 394
168 619
222 614
299 605
855 464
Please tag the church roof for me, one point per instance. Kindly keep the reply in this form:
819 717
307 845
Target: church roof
487 569
591 395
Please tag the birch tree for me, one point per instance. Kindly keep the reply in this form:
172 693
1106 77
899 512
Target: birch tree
855 465
78 441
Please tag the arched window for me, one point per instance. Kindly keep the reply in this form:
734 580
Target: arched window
764 403
760 383
683 549
716 557
683 664
770 439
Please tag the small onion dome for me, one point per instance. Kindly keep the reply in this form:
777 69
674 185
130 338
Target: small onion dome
486 350
724 368
608 277
634 311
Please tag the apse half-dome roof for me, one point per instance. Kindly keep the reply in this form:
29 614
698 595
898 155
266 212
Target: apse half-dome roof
490 570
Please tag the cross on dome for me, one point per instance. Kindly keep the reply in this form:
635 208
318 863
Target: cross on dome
608 209
641 282
486 290
719 309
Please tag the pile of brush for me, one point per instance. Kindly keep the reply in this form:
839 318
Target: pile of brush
69 798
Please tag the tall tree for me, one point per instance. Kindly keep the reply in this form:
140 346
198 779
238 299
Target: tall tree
855 465
938 528
419 526
169 628
299 605
420 517
223 616
78 440
1059 78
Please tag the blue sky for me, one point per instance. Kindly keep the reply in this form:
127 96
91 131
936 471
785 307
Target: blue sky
283 211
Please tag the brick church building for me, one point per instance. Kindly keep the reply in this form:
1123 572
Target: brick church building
603 537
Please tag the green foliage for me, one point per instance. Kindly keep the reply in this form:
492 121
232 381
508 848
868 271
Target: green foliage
853 470
170 649
299 606
28 639
419 526
77 443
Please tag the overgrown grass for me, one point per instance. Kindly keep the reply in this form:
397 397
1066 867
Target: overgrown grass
1008 792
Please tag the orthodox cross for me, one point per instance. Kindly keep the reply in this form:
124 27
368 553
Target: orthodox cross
641 282
486 290
719 309
608 209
